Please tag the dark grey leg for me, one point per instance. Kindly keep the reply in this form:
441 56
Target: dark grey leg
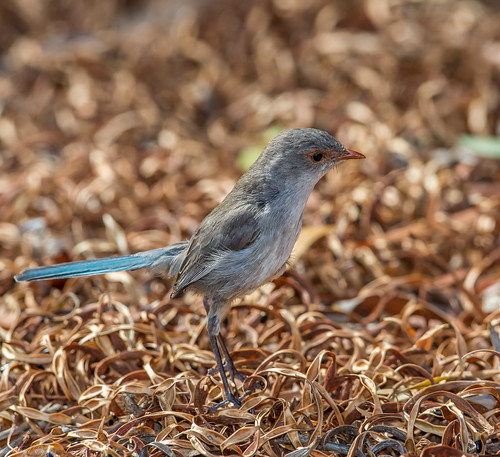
214 336
230 398
229 365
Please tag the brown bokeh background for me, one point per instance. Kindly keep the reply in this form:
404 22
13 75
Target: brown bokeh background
123 124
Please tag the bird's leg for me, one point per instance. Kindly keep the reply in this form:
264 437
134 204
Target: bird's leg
229 365
230 398
213 327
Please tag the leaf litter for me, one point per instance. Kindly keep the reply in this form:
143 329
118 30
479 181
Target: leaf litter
124 124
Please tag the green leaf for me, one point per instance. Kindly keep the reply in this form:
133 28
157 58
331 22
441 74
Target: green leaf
247 157
484 146
268 134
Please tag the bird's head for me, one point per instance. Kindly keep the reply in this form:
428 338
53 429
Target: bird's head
306 152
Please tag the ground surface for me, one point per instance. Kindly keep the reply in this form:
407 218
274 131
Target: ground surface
124 123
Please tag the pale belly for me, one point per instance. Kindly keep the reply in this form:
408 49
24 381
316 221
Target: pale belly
235 273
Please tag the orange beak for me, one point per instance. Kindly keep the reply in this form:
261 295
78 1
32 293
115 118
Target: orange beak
350 154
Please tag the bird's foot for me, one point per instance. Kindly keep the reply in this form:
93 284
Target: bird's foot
230 398
231 369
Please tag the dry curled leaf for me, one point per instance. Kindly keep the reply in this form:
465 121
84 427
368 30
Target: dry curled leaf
124 123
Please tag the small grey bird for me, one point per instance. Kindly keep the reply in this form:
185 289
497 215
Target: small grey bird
243 243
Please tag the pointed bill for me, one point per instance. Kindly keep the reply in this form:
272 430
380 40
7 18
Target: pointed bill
350 154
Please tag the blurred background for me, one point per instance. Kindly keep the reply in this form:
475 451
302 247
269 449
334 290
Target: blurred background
149 110
123 123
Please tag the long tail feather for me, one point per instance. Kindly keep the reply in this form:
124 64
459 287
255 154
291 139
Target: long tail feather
153 258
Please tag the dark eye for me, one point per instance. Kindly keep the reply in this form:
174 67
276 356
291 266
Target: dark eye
317 157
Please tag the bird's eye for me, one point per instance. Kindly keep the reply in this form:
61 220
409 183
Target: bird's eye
317 155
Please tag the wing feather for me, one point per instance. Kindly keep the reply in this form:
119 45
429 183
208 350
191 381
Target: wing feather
220 231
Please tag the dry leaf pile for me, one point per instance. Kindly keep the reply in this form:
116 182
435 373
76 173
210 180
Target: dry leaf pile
122 125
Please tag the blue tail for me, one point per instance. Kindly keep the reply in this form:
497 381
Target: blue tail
162 257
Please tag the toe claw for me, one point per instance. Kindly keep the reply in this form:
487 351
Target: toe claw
230 398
